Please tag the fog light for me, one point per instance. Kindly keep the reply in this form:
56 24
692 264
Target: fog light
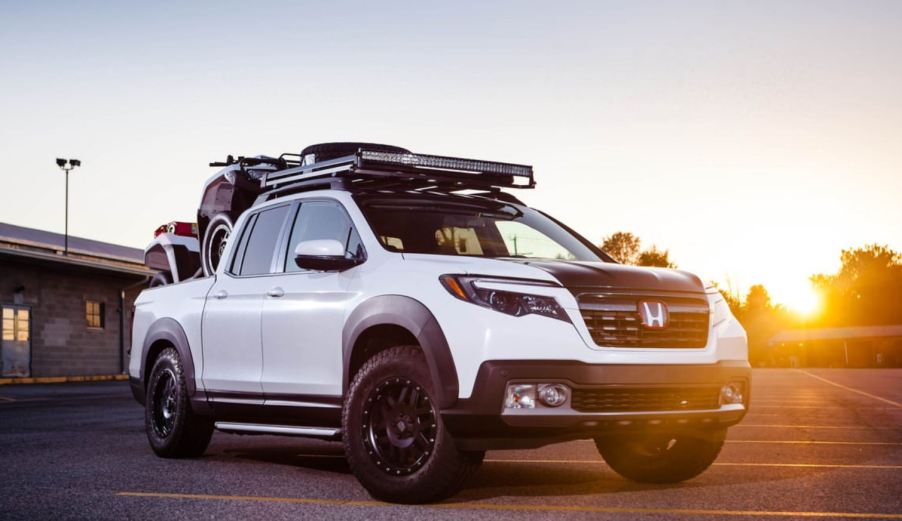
553 395
731 393
520 396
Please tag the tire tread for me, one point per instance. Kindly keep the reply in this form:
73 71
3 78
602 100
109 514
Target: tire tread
440 481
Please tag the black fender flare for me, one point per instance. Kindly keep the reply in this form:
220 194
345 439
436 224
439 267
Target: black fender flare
415 317
170 331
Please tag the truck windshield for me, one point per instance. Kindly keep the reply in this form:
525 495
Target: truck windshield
469 230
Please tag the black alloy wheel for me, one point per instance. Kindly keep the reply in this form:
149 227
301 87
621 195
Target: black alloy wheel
172 427
394 436
399 427
164 403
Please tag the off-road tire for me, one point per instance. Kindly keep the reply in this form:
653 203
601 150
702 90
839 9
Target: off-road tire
438 474
217 233
661 458
173 430
327 151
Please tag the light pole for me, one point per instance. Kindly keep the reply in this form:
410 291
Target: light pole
67 165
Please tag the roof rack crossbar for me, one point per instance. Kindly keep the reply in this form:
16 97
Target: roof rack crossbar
307 172
303 186
382 183
440 170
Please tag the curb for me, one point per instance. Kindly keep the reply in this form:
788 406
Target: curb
64 379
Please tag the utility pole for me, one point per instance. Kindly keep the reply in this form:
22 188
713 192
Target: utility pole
66 166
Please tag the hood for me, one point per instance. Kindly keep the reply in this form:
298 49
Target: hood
441 264
578 275
573 275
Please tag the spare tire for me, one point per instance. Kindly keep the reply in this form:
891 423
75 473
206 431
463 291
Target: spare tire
326 151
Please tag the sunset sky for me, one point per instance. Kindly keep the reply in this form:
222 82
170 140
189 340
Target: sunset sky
754 140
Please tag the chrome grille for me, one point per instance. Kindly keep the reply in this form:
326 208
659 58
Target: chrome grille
615 322
664 399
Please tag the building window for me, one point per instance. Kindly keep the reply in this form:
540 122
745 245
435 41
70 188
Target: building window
94 314
15 344
15 324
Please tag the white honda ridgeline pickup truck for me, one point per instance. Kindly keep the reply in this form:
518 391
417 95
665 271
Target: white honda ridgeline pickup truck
404 305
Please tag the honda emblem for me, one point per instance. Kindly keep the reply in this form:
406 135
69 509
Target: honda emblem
654 314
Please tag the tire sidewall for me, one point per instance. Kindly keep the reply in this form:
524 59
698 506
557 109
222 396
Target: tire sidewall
380 483
691 454
216 222
166 446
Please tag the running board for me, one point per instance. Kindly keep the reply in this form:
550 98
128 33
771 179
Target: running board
288 430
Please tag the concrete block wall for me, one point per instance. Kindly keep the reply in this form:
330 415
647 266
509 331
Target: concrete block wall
62 344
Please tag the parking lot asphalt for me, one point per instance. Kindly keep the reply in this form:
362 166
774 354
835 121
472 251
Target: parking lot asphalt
817 443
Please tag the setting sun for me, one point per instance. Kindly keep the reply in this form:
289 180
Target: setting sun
804 300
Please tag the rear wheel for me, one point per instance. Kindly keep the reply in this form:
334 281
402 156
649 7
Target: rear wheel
394 438
214 242
173 430
661 457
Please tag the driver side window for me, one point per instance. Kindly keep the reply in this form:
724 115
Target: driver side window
317 220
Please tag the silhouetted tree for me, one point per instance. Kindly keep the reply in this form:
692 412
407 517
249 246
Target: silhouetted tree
758 299
761 320
655 257
623 246
867 289
626 248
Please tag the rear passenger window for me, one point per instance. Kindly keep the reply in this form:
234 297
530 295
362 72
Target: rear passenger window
238 256
256 259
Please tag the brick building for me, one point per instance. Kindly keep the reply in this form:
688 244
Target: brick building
62 315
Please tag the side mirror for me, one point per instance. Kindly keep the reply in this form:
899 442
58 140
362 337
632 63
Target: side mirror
323 255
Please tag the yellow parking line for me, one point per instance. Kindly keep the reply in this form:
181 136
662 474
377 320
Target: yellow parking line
263 499
601 462
786 426
813 465
780 403
724 464
843 407
518 507
816 442
841 386
63 379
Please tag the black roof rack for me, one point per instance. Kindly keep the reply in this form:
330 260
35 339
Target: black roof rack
411 170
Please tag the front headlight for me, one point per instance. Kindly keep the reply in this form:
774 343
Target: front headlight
509 302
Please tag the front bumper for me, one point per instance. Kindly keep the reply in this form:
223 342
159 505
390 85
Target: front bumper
481 422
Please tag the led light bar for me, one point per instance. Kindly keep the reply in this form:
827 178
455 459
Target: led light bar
446 163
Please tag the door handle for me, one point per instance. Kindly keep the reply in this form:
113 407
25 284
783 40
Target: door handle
221 294
276 292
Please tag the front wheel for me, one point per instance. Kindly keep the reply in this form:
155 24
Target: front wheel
173 430
394 438
661 457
